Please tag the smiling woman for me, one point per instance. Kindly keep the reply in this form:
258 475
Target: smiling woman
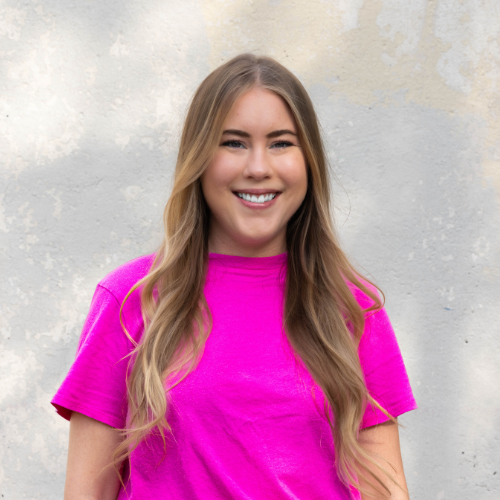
246 358
257 179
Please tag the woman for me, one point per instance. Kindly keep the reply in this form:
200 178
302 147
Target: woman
246 359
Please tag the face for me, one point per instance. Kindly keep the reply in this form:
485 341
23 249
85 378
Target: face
257 178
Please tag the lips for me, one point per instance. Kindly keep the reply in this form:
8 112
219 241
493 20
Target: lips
257 196
262 198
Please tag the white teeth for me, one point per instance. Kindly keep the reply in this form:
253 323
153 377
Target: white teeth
257 199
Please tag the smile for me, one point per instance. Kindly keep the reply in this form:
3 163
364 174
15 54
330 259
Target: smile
257 199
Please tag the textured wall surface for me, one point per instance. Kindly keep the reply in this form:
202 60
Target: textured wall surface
92 95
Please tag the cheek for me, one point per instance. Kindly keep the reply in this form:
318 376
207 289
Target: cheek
219 173
296 176
215 182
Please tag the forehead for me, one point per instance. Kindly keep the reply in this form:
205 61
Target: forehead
260 109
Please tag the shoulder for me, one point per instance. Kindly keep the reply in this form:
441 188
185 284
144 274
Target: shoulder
119 281
363 299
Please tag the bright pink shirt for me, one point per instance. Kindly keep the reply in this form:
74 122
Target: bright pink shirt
245 423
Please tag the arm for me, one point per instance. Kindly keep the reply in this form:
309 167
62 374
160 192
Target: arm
91 446
383 441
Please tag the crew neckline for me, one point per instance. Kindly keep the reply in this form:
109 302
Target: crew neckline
239 262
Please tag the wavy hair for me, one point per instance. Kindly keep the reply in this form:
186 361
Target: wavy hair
322 319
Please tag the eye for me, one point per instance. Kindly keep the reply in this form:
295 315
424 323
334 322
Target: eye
233 144
281 144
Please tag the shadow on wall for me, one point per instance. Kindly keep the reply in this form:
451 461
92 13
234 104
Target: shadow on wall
422 224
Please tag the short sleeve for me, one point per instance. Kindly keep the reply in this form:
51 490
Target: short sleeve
384 370
96 382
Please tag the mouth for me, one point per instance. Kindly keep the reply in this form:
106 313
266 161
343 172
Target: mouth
257 196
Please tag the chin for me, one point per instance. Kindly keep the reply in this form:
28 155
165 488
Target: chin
258 241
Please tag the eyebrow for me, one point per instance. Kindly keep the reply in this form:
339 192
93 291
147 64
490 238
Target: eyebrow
271 135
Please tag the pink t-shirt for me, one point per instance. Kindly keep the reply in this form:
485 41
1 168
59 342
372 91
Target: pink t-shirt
248 423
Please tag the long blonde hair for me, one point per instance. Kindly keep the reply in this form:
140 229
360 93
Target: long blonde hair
318 302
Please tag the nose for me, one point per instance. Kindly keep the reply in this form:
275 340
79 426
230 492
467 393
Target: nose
258 165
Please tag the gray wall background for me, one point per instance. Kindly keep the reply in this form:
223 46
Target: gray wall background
92 95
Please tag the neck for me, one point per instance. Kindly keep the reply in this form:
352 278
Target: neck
246 249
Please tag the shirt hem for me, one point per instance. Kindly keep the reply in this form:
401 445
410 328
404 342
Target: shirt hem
66 407
395 411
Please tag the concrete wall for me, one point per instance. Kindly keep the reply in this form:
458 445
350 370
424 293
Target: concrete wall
92 94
